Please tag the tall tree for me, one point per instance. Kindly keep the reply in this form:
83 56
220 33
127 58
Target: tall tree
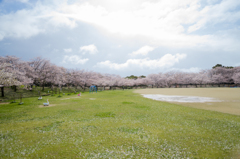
236 76
18 68
42 70
7 78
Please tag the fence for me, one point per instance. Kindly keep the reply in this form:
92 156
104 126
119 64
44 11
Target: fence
11 95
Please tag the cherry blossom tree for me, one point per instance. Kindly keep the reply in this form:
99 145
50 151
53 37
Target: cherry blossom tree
7 78
177 78
42 70
18 68
103 81
236 76
221 75
154 78
201 78
169 78
59 78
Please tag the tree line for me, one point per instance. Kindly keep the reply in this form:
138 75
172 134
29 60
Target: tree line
41 72
217 76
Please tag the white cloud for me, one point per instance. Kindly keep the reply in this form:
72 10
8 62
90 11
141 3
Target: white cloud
91 49
74 59
167 60
67 50
214 14
159 23
26 23
151 20
21 24
143 50
58 19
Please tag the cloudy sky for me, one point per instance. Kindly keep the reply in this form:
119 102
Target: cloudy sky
123 37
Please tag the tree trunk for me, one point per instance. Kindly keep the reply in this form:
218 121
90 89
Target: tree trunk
81 87
43 87
15 88
68 89
20 97
2 90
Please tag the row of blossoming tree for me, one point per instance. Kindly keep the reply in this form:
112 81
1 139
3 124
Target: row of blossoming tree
41 72
217 76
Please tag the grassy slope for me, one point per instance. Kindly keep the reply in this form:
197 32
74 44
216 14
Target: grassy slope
116 124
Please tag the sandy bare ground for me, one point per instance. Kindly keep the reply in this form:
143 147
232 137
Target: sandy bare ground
230 97
50 105
69 98
64 98
5 103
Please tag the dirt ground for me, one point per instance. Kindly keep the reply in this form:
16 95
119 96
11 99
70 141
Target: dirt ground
5 103
50 105
230 97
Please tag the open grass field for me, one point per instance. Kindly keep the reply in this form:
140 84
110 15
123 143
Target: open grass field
229 97
115 124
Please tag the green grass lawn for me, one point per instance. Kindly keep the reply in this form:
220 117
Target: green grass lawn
115 124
